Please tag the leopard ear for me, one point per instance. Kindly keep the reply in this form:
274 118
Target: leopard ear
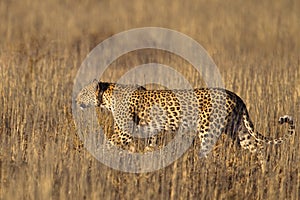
96 84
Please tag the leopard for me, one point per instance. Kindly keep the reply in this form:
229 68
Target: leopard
208 112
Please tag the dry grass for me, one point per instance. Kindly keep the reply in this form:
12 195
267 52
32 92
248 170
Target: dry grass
42 44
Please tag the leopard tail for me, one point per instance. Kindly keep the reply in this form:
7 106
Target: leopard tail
259 137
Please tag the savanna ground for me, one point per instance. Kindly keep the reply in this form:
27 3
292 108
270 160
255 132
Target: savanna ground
256 46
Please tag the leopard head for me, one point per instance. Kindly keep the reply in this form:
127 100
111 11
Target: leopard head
91 94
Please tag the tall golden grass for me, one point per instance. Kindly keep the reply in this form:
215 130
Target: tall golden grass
255 44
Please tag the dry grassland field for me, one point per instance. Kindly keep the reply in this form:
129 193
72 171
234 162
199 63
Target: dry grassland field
255 44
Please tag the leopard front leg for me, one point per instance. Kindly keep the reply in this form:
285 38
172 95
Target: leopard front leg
122 139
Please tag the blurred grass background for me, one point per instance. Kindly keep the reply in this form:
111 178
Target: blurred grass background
255 44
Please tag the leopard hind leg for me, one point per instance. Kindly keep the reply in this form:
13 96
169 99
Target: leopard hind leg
251 140
247 141
209 134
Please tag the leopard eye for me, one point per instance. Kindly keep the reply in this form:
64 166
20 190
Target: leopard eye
82 106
